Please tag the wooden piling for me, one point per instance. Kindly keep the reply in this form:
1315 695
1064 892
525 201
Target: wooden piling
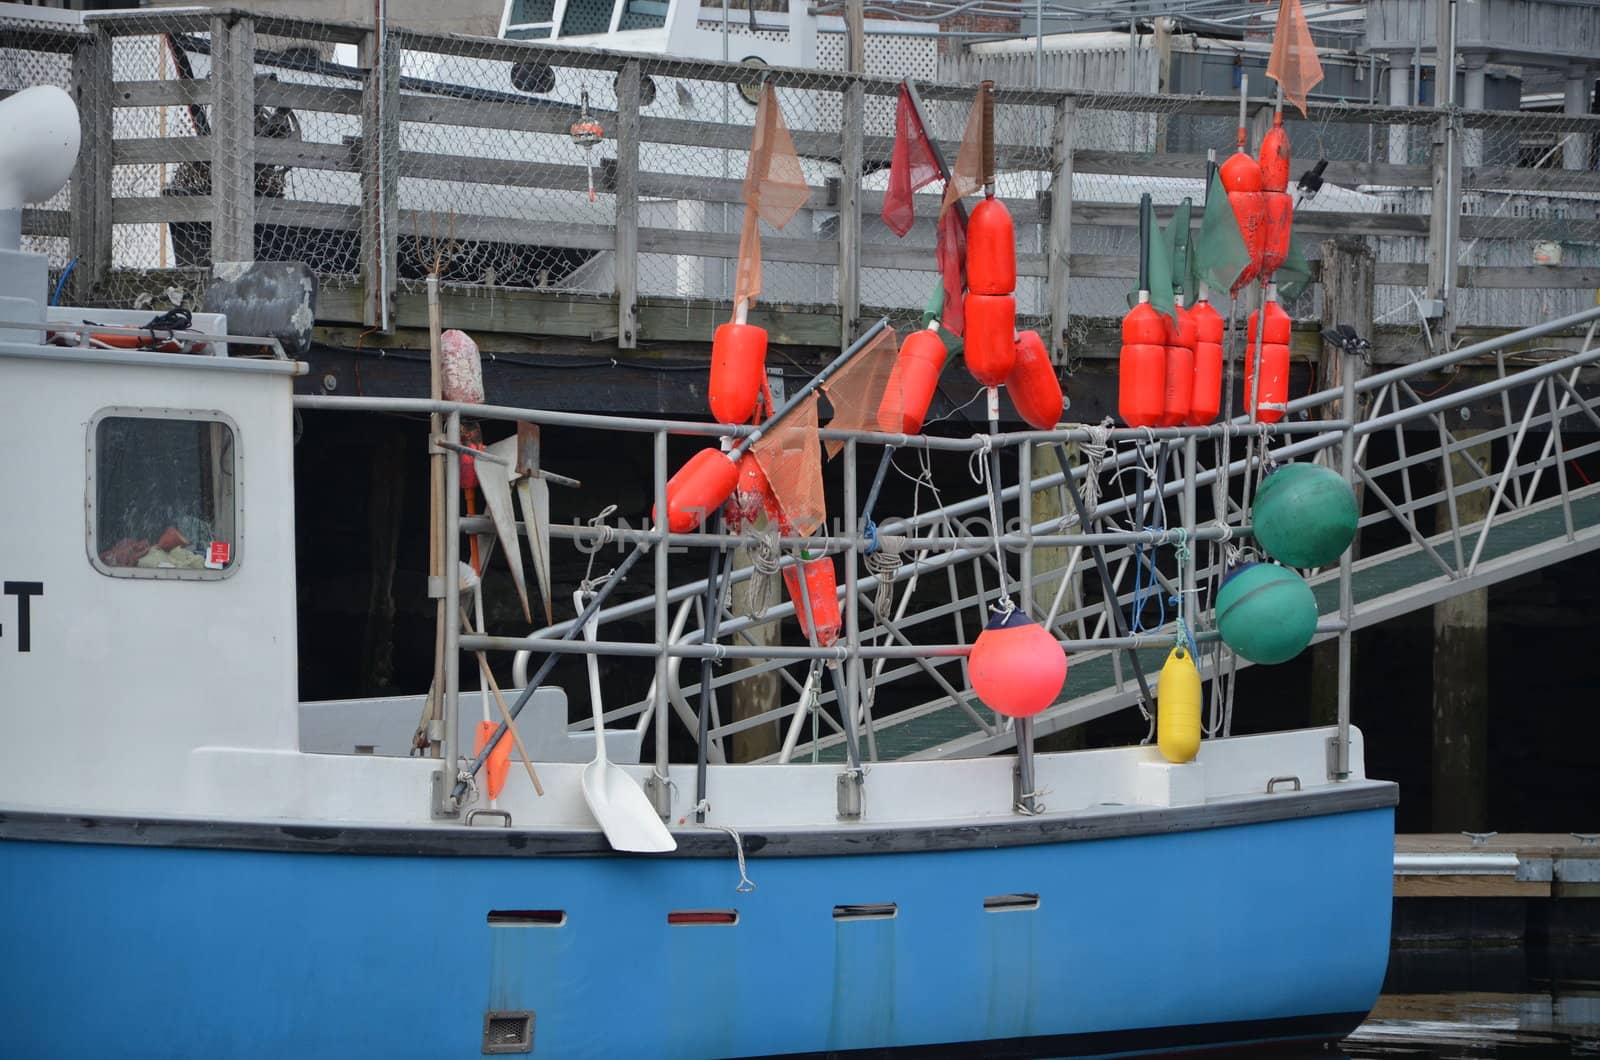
1461 679
1349 270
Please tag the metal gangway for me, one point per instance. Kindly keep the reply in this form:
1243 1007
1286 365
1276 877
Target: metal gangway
1114 524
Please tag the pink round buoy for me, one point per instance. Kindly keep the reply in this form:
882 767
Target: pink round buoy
1017 668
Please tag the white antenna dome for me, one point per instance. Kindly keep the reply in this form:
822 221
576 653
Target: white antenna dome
38 144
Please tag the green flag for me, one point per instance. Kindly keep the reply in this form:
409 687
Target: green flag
1178 250
1220 254
1160 273
1293 275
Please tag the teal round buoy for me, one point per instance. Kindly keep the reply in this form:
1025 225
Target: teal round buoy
1266 613
1304 515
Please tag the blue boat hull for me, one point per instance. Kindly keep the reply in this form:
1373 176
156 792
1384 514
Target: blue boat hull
1270 930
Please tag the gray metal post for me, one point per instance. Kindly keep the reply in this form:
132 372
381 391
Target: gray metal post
1023 798
1191 520
627 199
658 786
1339 759
233 138
452 603
1575 100
852 782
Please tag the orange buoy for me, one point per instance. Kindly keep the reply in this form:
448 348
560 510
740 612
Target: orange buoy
738 367
1205 398
1142 367
498 764
1241 177
991 249
1277 218
1272 403
990 337
916 375
698 489
1274 161
1034 388
1178 387
822 590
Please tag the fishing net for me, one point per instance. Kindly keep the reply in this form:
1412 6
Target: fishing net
865 394
966 176
1294 61
792 461
774 189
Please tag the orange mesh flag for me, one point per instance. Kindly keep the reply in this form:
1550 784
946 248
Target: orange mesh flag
1294 61
861 393
911 166
774 189
792 461
966 176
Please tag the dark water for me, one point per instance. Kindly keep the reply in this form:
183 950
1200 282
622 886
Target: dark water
1504 1002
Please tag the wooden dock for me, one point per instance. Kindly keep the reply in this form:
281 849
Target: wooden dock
1495 865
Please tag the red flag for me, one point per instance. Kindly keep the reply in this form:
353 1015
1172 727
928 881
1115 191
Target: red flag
774 189
911 166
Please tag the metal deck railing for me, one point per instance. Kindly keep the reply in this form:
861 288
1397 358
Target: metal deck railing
1164 509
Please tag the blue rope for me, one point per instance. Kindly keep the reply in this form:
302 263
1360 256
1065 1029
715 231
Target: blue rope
1144 556
55 299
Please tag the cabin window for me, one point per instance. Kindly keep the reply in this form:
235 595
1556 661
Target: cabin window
587 16
530 19
643 14
163 497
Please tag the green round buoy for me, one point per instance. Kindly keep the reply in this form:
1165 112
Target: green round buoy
1304 515
1266 613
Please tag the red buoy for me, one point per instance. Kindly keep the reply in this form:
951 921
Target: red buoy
698 489
1205 399
822 591
916 375
1034 388
738 367
1179 385
1142 368
991 249
1241 177
1271 405
1017 667
990 337
1275 161
1277 218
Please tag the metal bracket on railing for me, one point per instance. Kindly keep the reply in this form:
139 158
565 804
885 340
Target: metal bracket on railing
659 790
851 786
473 815
445 806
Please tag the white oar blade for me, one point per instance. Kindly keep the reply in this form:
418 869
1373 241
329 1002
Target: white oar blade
495 481
624 811
535 496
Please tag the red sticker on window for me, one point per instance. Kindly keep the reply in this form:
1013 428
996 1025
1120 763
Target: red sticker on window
218 555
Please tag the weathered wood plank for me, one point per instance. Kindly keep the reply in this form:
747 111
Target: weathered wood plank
302 154
380 172
627 216
233 139
1455 886
91 176
1059 255
847 277
37 222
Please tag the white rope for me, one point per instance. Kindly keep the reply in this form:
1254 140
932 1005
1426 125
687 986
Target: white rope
745 886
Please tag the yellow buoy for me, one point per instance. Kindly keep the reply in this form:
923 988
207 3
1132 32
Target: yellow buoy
1178 707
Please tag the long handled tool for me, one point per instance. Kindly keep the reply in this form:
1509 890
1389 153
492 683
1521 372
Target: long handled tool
620 805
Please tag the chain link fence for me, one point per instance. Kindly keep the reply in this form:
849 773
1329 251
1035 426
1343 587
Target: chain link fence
505 165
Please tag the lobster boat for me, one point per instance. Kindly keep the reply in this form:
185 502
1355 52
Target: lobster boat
196 863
